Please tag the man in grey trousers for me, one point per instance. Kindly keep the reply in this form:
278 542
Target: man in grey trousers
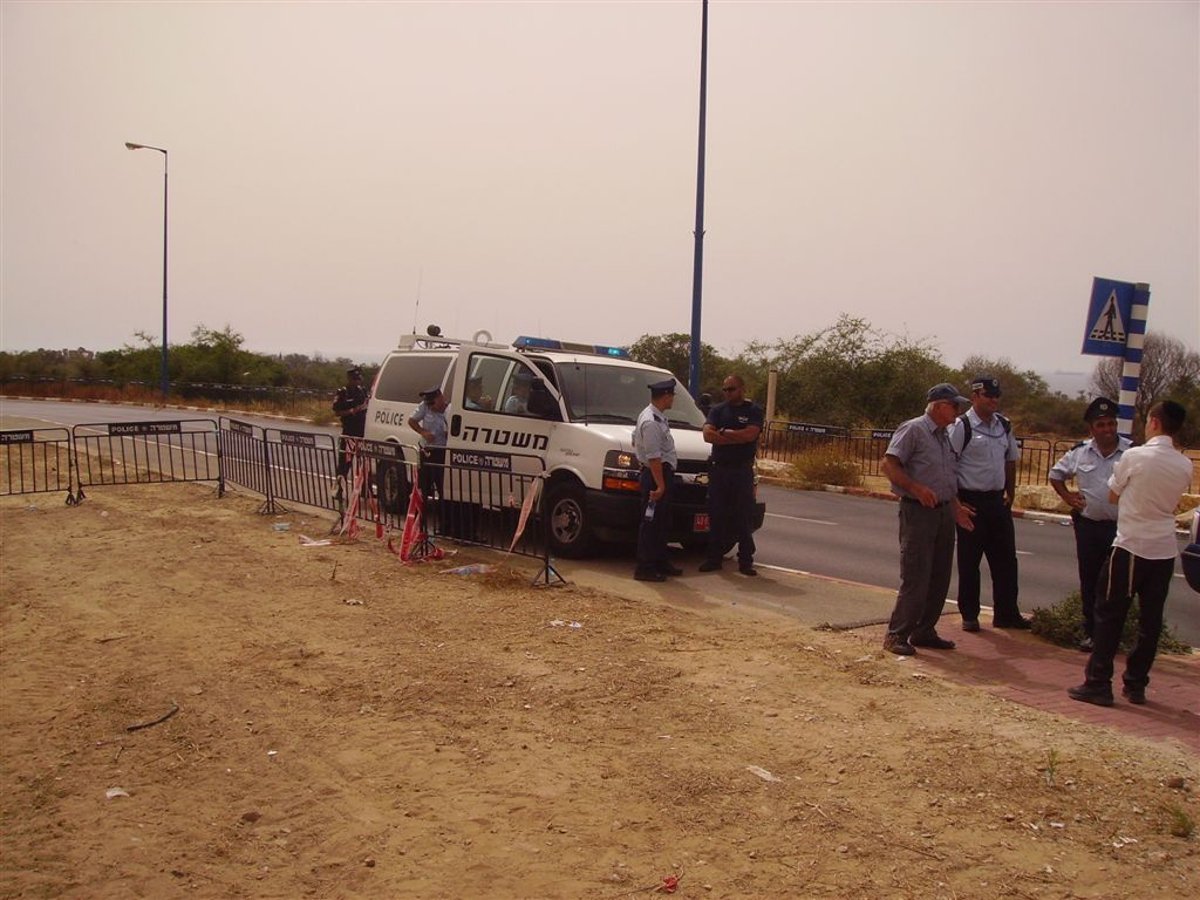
923 470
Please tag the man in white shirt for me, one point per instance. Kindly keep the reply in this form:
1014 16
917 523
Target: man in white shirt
1146 486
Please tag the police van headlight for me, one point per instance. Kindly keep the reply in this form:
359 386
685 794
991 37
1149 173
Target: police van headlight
621 471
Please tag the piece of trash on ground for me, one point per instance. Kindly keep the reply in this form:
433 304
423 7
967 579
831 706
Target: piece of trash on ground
306 541
762 773
561 623
353 601
282 526
473 569
113 792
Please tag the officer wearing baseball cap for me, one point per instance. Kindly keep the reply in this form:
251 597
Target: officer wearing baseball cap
655 449
924 475
1090 463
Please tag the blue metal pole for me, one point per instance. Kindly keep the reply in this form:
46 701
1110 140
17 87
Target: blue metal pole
698 260
1131 371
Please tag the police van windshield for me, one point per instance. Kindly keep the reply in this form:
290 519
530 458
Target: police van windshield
603 394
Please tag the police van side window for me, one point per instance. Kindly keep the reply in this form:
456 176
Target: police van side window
404 376
485 377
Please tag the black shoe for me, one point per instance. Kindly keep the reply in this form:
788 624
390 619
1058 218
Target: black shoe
932 641
669 569
1134 695
1085 644
970 625
649 576
1020 623
897 645
710 565
1097 696
748 569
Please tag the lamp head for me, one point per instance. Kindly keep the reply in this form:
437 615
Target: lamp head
130 146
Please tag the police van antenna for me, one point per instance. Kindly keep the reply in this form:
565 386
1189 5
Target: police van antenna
417 307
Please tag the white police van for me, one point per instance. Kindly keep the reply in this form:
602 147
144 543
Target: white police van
546 405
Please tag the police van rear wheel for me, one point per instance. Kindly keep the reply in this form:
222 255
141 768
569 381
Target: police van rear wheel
393 488
569 533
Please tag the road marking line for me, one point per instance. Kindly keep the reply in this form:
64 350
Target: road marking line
1024 553
800 519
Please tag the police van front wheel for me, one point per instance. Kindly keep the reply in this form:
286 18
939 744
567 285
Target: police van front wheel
569 532
392 488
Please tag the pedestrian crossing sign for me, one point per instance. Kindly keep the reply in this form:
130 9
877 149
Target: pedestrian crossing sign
1108 317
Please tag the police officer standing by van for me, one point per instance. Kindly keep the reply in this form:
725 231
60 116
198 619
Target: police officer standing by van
987 477
732 428
655 449
1094 518
350 405
429 421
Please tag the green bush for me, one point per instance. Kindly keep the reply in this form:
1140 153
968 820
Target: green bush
824 465
1062 624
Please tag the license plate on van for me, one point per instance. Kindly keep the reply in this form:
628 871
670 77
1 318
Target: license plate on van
700 522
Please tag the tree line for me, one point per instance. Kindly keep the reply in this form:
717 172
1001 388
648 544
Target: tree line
849 374
210 357
854 375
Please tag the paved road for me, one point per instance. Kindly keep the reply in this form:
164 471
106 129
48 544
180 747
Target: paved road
855 538
831 535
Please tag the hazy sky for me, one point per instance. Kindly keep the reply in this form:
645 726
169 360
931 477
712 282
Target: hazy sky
950 171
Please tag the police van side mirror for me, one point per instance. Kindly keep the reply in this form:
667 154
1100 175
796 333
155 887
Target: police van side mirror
542 403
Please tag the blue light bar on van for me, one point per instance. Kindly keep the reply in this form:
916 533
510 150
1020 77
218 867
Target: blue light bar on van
536 343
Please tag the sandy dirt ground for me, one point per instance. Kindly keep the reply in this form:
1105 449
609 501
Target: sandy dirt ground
347 726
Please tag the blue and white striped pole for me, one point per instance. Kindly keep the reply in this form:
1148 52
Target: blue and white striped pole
1131 371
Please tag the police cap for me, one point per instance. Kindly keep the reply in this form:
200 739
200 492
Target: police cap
1100 408
354 372
986 383
430 393
667 386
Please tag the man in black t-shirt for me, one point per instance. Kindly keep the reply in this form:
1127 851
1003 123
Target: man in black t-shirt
732 428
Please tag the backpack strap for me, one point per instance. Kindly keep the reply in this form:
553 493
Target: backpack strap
966 433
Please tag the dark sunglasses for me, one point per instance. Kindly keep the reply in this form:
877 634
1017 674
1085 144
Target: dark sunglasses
728 389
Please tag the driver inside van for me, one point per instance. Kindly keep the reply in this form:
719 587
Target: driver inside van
475 398
518 401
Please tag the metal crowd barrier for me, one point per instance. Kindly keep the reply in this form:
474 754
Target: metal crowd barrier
302 468
243 457
469 497
115 453
484 499
36 460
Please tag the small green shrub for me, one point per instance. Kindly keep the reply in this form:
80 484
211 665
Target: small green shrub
1062 624
824 465
1179 822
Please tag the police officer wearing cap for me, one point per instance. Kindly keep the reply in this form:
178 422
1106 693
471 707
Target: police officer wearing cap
987 478
732 428
350 405
1094 518
655 449
923 471
429 421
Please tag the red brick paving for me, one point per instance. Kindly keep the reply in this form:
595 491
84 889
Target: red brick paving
1028 670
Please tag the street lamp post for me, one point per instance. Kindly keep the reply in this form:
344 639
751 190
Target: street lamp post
165 382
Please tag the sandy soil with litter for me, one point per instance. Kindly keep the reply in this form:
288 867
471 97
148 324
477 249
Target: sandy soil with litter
348 726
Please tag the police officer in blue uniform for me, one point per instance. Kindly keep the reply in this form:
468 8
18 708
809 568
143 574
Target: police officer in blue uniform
655 449
1090 463
732 428
987 478
429 421
350 405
